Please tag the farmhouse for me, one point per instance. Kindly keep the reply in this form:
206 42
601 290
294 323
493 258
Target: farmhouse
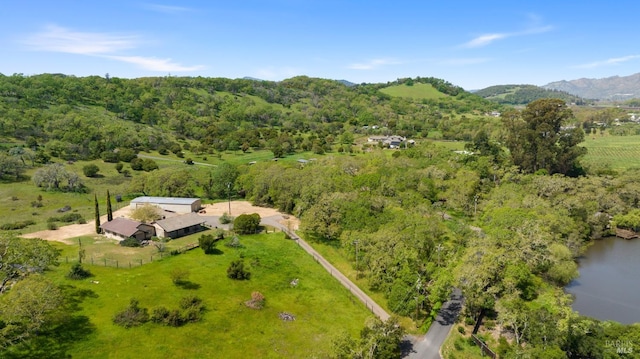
170 204
391 141
123 228
179 226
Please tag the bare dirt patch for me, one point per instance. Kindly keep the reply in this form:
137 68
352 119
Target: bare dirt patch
245 207
64 233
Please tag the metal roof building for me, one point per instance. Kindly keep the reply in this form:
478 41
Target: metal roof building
170 204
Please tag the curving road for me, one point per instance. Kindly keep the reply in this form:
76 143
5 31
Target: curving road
428 346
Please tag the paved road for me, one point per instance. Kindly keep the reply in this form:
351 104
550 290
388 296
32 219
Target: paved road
428 346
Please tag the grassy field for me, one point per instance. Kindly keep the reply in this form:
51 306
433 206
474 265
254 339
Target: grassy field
229 329
619 152
417 91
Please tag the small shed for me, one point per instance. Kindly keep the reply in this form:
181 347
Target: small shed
123 228
179 226
170 204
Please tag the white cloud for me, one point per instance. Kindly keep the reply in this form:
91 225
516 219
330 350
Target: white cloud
59 39
106 45
167 9
484 40
487 39
155 64
608 62
373 64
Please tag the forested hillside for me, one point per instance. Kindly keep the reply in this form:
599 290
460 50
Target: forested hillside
504 220
524 94
82 118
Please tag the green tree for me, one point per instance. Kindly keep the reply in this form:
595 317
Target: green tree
109 210
96 213
246 223
90 170
208 243
537 139
146 213
28 308
20 257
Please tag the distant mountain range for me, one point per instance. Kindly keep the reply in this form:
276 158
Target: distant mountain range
615 88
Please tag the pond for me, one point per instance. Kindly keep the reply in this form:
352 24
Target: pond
609 284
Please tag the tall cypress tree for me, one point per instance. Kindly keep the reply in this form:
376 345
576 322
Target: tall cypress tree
109 212
95 200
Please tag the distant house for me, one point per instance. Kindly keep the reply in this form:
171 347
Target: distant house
179 226
123 228
390 141
170 204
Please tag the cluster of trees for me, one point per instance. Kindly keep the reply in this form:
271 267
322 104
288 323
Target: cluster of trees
525 94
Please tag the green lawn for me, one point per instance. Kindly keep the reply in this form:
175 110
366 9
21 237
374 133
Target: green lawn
619 152
323 308
417 91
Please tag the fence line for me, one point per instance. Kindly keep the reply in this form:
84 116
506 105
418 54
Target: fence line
485 349
108 262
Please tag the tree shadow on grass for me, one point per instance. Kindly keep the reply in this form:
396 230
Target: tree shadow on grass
186 284
214 251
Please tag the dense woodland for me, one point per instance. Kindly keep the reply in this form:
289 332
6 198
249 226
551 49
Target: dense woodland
524 94
504 220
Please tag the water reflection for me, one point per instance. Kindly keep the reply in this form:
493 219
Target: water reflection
609 284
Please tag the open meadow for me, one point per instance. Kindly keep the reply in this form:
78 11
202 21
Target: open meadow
228 329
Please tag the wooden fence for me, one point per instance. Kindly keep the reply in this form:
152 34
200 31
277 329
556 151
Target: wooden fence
107 262
485 349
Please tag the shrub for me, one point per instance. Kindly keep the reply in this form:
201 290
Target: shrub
136 164
132 316
236 270
149 165
208 243
126 155
234 242
78 272
109 156
70 217
179 275
469 321
52 226
192 309
17 225
130 242
119 167
226 218
160 315
36 204
461 329
246 223
90 170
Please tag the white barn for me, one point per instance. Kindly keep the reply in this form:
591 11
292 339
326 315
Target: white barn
170 204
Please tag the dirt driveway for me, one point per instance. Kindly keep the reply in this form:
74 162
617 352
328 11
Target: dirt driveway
65 233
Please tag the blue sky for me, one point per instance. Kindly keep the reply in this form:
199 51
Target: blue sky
473 44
